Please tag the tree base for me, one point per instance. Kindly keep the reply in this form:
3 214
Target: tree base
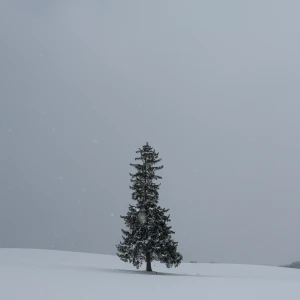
149 268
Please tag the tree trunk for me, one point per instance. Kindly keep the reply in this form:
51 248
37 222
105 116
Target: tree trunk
149 268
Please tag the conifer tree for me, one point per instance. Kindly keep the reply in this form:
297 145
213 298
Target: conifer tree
148 236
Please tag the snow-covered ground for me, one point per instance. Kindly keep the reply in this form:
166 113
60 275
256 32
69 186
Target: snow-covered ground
44 275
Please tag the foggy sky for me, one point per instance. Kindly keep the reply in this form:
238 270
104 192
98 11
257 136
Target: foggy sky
212 85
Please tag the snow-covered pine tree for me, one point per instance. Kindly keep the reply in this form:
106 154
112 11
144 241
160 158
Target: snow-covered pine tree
148 236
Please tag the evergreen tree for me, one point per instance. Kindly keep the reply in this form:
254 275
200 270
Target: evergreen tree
148 236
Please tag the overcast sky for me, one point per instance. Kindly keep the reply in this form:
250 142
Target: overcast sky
212 85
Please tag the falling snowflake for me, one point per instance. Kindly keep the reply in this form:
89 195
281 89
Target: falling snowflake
142 217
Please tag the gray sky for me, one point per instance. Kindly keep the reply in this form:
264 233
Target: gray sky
212 85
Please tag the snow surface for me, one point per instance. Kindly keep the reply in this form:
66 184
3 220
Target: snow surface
44 274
